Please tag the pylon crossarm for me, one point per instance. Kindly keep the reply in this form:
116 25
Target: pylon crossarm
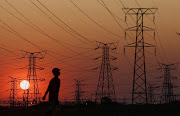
131 45
134 28
26 67
39 55
178 33
113 68
135 45
95 68
145 28
173 77
135 11
97 58
40 68
112 57
148 45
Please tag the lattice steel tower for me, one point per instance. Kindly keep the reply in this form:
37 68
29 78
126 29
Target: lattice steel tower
151 94
139 91
78 92
105 87
32 94
13 92
167 89
14 98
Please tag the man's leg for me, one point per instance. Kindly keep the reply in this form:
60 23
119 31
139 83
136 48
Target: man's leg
51 107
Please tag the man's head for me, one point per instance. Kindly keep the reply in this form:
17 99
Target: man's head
56 72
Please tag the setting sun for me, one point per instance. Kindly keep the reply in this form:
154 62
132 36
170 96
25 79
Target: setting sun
24 84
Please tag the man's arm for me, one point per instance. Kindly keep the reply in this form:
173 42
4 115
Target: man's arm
46 92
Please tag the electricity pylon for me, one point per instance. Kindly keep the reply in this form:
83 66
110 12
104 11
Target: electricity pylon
78 92
151 95
32 94
13 92
105 87
14 98
167 95
139 91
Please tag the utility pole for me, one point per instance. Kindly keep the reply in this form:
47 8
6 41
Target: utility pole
78 92
32 94
105 87
167 95
139 91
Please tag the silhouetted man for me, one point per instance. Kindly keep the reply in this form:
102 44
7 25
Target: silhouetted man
53 90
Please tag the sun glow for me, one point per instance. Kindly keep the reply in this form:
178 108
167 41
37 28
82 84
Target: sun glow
24 84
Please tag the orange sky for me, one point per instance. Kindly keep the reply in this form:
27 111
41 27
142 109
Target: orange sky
80 66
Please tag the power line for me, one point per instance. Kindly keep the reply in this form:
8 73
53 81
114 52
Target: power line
20 36
114 18
68 57
104 6
54 21
82 68
59 42
117 21
94 20
38 29
60 20
8 50
17 34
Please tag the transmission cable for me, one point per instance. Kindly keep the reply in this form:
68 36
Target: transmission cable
38 29
60 20
94 20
